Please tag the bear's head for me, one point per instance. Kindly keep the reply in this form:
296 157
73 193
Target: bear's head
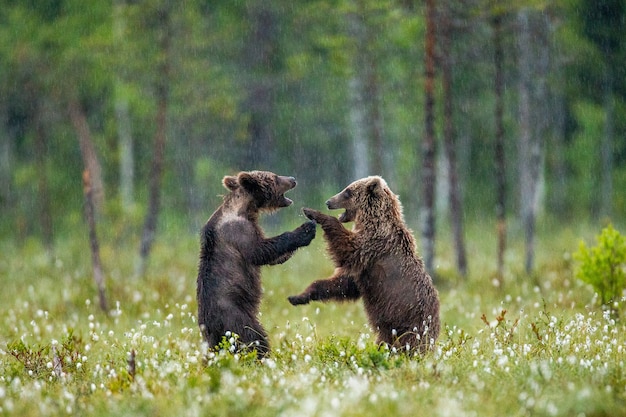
366 198
265 189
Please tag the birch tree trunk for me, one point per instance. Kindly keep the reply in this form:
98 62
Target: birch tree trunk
500 162
358 106
533 67
357 130
126 152
365 113
374 120
122 118
429 143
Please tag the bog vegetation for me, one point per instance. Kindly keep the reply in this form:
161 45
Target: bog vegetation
537 345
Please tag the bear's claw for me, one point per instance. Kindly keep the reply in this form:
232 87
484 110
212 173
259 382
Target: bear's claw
310 213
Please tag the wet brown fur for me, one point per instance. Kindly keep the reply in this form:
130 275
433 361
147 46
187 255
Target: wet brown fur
377 261
233 249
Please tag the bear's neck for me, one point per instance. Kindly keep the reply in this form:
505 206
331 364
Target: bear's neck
240 205
379 224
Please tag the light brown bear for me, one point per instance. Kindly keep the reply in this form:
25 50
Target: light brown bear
377 261
232 250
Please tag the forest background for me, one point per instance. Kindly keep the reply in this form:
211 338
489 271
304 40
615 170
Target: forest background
510 112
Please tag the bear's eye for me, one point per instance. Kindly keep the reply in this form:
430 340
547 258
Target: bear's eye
347 194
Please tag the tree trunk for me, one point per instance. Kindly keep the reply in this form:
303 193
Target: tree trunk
88 151
456 208
126 153
359 108
90 217
500 164
366 117
156 170
375 119
122 118
357 130
429 143
533 67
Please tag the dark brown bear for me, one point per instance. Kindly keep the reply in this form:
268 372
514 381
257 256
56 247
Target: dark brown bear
233 249
377 261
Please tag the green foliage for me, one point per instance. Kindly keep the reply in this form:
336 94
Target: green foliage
363 354
49 360
604 265
106 56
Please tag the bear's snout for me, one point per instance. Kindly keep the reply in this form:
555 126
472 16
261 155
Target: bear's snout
287 183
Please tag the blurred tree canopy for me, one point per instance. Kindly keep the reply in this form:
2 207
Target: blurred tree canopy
275 85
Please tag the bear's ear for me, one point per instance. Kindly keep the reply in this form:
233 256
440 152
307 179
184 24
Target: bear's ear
247 181
375 186
230 183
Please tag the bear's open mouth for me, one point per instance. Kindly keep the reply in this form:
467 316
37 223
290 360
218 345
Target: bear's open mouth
289 184
347 216
285 202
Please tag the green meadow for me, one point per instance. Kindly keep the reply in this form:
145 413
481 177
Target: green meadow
539 345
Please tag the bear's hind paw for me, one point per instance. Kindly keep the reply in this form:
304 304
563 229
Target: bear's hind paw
298 300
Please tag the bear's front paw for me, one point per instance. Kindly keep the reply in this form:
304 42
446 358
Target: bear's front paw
308 231
311 214
298 300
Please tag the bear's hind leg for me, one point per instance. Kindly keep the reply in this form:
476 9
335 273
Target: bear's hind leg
339 287
250 332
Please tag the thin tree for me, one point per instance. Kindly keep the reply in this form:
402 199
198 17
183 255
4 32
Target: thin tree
93 189
356 89
88 152
164 23
456 209
533 53
364 87
499 156
429 142
90 217
122 115
372 93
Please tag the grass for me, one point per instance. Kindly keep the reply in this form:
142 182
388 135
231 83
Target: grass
537 346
